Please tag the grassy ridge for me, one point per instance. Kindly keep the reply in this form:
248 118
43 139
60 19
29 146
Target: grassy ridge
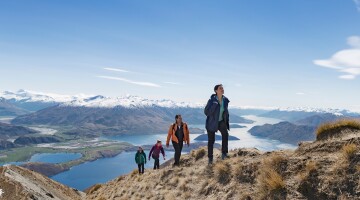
327 130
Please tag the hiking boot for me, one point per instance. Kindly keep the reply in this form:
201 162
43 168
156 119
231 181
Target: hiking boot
210 161
224 156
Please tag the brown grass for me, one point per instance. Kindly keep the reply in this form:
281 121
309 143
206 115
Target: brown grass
270 181
349 151
183 186
311 166
330 129
207 187
357 168
246 173
187 195
134 172
94 188
276 162
222 172
174 181
343 197
200 154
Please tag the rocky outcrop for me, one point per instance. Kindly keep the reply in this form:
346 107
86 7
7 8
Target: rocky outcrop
22 184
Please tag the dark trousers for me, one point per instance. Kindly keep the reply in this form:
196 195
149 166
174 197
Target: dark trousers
178 148
156 163
224 136
141 168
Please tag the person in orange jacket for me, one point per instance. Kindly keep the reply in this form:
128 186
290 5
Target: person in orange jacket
178 133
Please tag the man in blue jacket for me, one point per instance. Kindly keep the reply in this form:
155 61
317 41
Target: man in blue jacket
217 118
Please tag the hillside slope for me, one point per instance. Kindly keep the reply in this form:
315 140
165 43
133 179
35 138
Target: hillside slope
19 183
285 132
112 121
323 169
8 109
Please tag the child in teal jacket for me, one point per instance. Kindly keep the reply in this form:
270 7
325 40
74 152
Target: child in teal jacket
140 159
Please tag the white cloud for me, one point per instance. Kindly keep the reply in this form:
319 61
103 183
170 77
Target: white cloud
357 3
348 77
148 84
300 93
172 83
115 69
238 85
346 61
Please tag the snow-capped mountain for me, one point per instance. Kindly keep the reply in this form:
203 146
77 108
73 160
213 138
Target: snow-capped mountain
33 96
339 112
128 101
82 100
43 100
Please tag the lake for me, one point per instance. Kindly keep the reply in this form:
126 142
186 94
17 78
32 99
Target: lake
105 169
248 141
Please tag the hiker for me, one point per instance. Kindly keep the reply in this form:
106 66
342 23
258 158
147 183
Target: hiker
140 159
217 118
178 133
155 153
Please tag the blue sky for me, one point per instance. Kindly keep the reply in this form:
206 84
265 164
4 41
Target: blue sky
265 52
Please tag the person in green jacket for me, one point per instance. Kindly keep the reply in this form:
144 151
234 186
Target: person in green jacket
140 159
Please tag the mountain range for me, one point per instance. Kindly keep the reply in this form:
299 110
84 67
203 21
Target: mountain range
299 130
94 115
99 115
34 101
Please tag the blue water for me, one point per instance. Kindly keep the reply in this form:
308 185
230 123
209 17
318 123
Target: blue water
55 157
102 170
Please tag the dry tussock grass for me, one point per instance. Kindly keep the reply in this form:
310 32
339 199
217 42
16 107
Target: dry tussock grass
246 173
330 129
134 173
310 167
95 188
348 151
270 182
276 162
358 168
199 154
222 172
